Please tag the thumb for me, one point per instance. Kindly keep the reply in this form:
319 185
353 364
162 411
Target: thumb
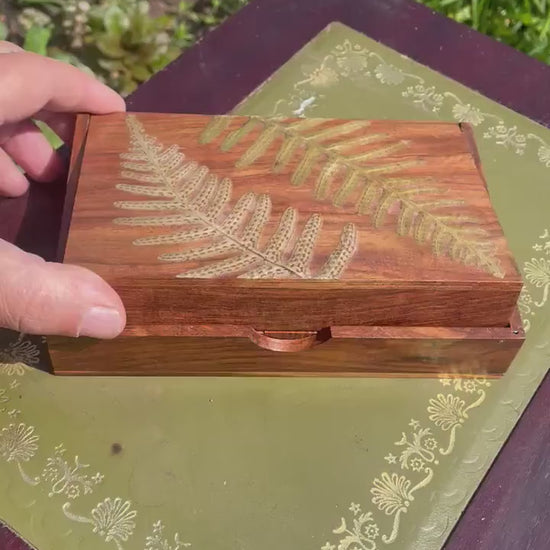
38 297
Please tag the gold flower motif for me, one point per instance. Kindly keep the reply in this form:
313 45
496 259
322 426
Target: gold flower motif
12 369
113 520
390 459
73 491
371 531
323 77
97 478
354 64
544 154
157 540
430 444
537 272
469 386
389 74
18 354
391 493
468 113
18 443
446 411
426 97
417 464
351 58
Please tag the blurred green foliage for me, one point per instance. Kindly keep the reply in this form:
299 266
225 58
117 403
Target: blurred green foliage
522 24
124 42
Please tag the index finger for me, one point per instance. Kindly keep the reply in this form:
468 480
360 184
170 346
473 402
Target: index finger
30 83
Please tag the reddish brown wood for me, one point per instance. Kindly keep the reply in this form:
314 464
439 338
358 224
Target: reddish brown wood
395 308
75 163
341 351
391 280
288 341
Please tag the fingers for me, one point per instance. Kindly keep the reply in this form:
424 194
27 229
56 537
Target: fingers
30 83
61 123
38 297
9 47
28 147
13 183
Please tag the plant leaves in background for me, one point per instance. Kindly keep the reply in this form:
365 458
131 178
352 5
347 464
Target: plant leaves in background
96 31
36 40
3 31
49 134
116 21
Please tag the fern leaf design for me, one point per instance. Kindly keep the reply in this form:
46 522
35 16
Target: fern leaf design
327 175
337 261
259 147
222 235
217 125
345 177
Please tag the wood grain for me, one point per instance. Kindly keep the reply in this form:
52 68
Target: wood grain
350 351
391 279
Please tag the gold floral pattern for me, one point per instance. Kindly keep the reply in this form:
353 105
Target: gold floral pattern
361 534
352 59
544 155
112 519
349 60
157 541
18 355
468 113
446 411
389 74
507 137
18 443
418 451
419 454
67 479
536 272
426 97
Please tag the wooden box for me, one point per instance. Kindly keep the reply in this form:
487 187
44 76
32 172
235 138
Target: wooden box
249 246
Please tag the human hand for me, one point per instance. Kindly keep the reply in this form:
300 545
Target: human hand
38 297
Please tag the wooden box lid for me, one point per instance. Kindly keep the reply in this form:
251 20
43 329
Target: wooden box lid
287 224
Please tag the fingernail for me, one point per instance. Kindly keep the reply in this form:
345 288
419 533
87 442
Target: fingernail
101 322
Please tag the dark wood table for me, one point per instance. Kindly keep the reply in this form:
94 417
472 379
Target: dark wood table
511 508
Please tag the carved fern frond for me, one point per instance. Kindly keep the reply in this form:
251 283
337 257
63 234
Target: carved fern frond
344 176
225 236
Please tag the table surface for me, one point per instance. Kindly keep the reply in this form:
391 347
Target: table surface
245 51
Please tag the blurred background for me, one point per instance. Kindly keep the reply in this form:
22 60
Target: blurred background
124 42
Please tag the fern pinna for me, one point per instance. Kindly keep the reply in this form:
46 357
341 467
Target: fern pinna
346 176
199 204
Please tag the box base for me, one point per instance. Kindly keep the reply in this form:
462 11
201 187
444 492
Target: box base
346 351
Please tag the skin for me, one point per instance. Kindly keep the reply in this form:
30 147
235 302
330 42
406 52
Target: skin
38 297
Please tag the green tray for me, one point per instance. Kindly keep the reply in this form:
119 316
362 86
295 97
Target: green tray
272 464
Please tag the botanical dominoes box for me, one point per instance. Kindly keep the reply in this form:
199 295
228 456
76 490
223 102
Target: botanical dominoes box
242 245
